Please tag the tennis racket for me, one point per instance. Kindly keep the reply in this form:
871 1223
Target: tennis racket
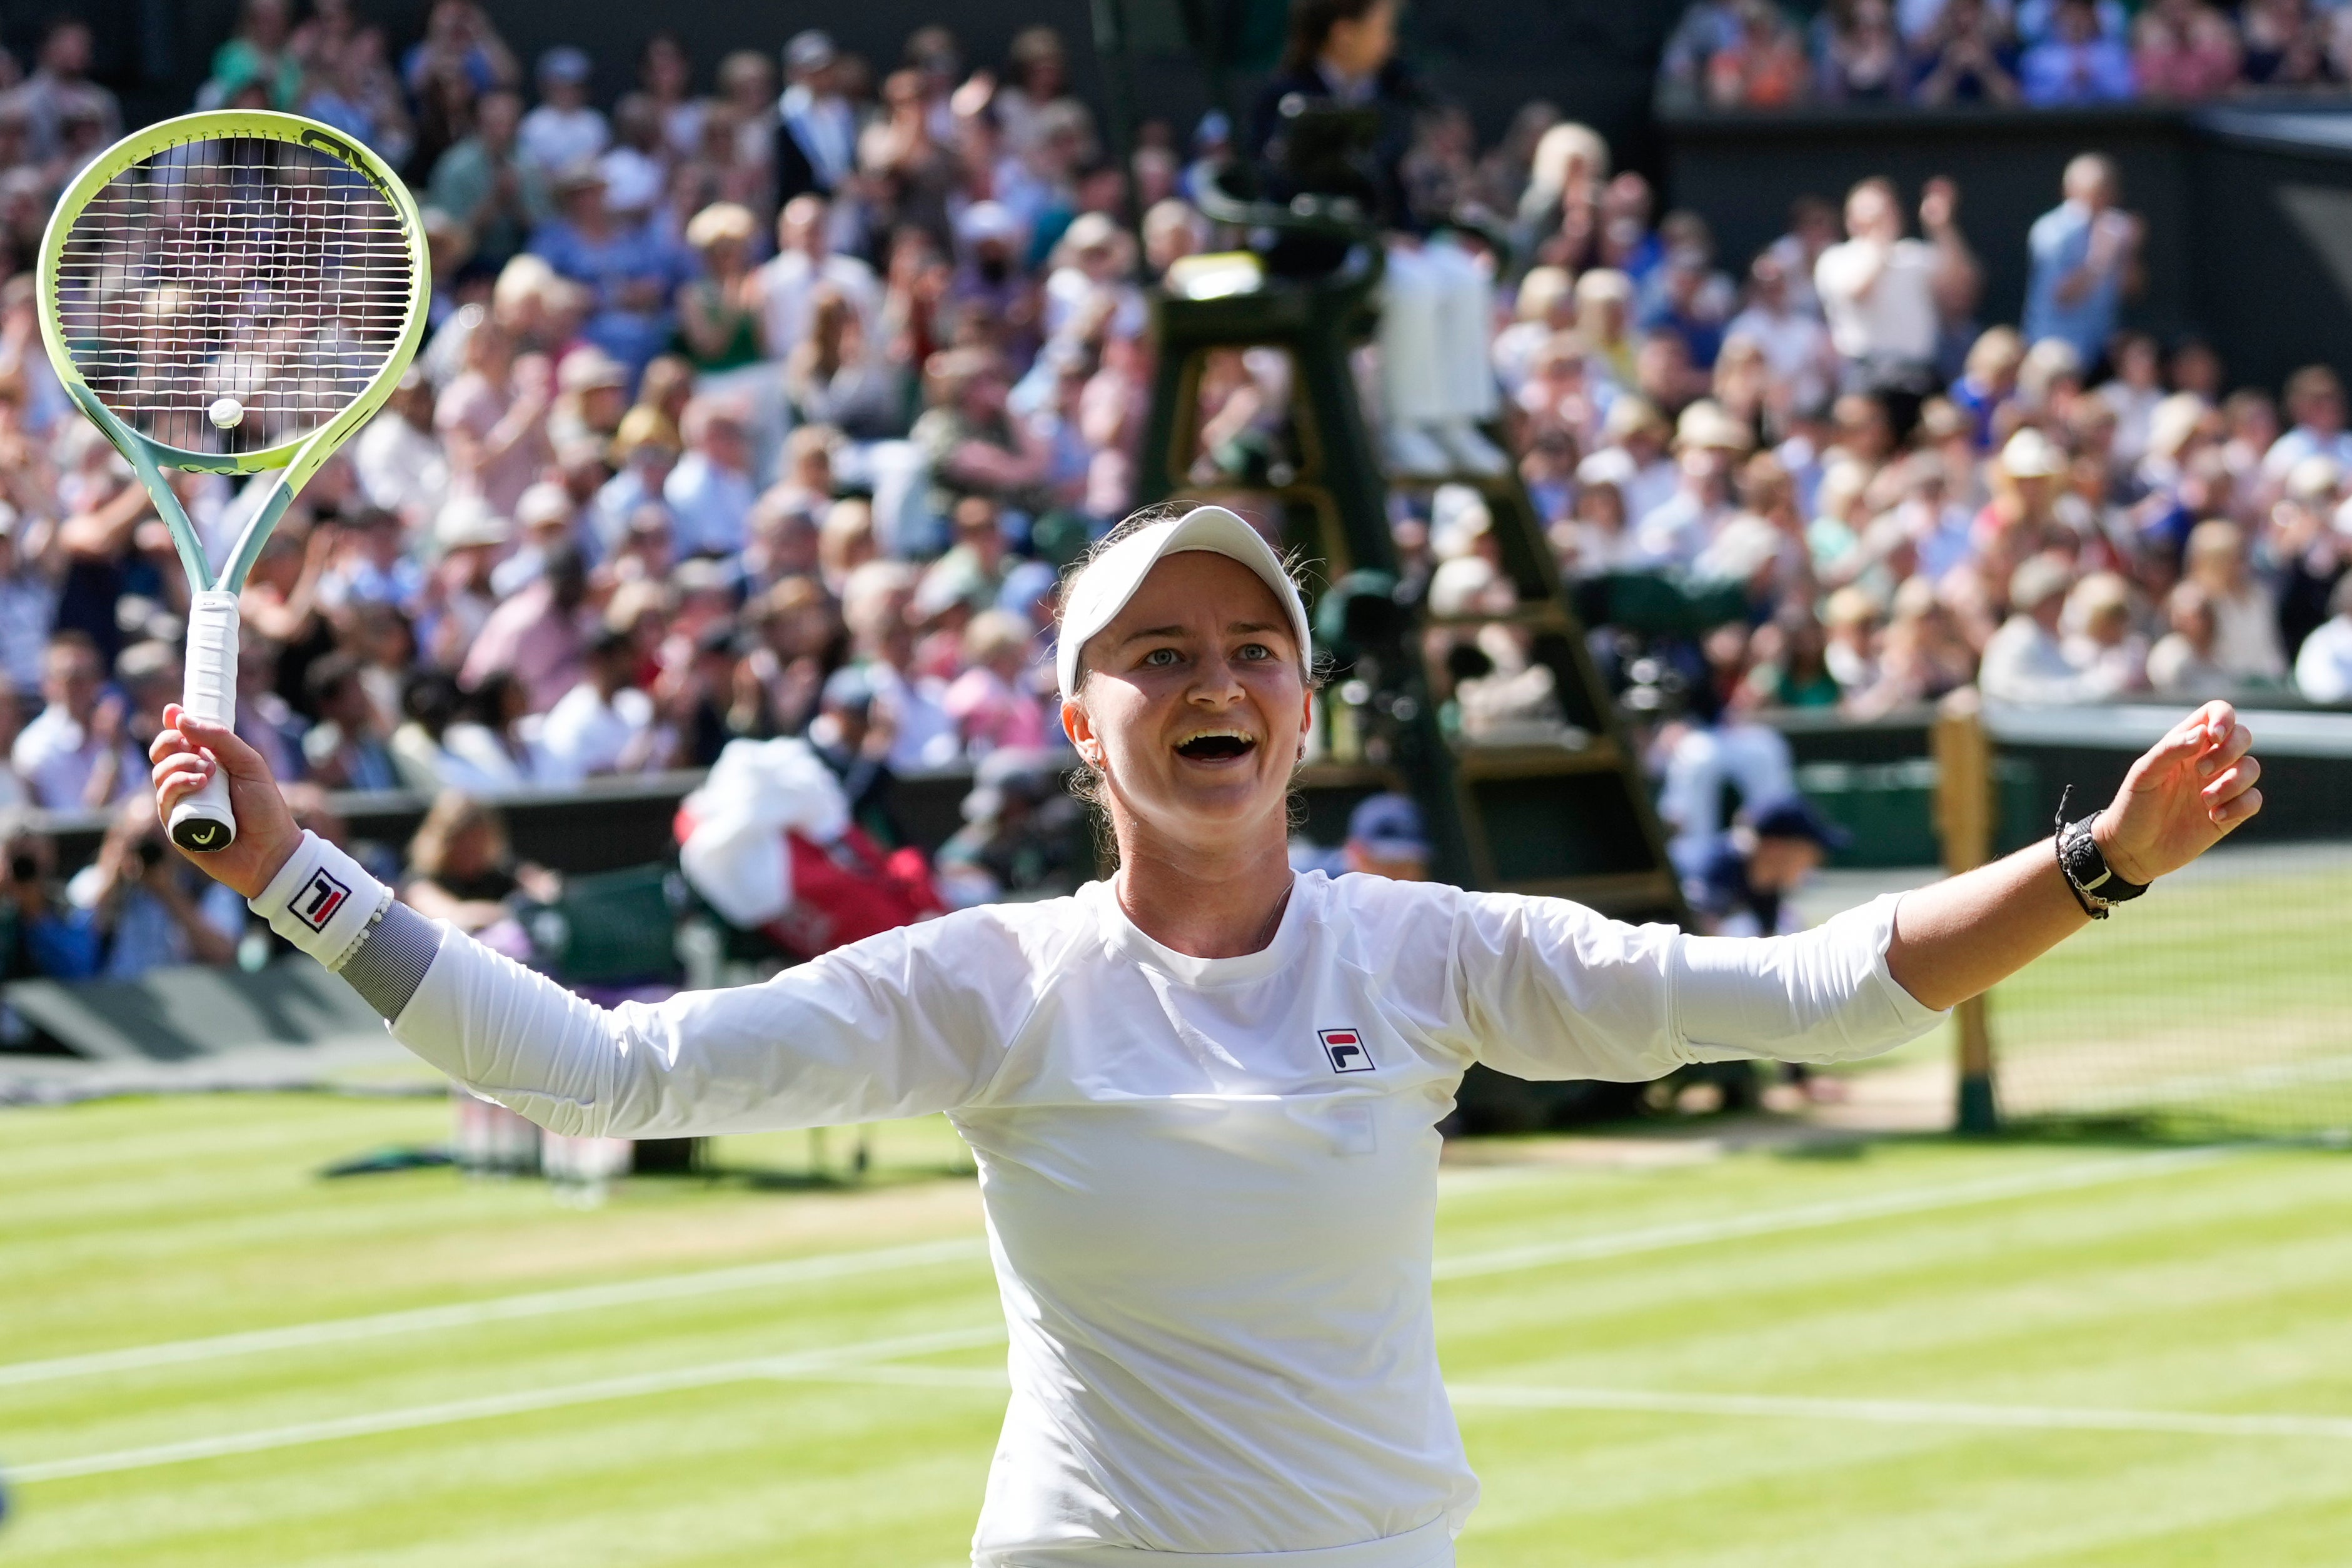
235 293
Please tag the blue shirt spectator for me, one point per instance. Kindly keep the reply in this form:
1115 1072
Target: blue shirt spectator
2085 254
2076 63
631 270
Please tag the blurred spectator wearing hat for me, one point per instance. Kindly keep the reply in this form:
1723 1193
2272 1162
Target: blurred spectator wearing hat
877 604
717 313
484 182
645 453
2314 401
630 271
564 131
147 905
545 522
470 540
1708 444
592 396
2026 662
1741 888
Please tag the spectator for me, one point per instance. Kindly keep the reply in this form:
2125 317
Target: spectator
1762 66
2025 663
74 756
1883 294
876 603
2246 641
717 313
484 182
29 601
42 937
1797 348
1385 838
59 89
2323 668
1708 444
1859 55
564 131
993 703
710 491
1965 57
836 378
605 724
2085 258
2184 50
1023 835
398 459
2078 63
783 290
2314 400
346 749
462 869
630 272
149 907
817 129
2284 46
2181 663
492 419
536 636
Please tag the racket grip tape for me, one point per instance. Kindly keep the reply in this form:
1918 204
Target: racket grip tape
202 822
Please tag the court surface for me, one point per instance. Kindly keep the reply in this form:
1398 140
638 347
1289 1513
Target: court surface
1664 1354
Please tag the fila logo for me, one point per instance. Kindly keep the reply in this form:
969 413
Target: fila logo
315 905
1346 1050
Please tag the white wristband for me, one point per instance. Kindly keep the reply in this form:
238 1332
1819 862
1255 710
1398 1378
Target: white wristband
322 900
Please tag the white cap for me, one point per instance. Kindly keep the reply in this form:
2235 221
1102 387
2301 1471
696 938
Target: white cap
1102 590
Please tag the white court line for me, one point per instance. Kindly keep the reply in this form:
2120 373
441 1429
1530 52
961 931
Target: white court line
497 1309
1906 1412
807 1364
1809 1216
839 1264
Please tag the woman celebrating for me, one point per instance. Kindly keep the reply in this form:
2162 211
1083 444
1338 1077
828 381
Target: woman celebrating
1205 1094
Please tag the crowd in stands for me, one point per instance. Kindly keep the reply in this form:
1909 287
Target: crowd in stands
1759 55
774 405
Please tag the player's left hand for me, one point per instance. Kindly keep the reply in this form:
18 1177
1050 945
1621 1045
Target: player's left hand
2191 788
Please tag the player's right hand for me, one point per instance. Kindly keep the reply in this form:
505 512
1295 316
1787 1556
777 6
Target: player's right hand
184 755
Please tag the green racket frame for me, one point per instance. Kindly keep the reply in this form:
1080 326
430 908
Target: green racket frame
202 821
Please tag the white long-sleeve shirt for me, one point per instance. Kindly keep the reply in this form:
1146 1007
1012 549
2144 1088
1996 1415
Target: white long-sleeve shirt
1210 1183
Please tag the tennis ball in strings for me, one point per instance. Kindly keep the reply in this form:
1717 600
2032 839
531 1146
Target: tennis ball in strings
227 412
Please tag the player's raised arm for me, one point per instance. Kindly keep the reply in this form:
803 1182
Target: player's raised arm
1964 935
896 1026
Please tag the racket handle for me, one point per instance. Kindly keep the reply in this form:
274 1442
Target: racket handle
202 822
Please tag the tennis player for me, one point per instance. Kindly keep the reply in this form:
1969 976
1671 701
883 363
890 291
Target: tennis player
1204 1093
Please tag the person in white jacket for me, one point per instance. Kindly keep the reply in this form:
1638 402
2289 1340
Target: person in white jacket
1203 1093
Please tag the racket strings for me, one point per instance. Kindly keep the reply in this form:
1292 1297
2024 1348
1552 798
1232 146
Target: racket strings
250 269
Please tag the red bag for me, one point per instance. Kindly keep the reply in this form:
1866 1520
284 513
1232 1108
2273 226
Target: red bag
851 890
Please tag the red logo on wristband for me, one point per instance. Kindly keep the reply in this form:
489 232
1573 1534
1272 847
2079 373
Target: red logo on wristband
316 904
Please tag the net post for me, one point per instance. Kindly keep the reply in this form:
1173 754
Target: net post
1964 805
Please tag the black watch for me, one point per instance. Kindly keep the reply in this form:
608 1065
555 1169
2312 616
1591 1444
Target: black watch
2095 885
